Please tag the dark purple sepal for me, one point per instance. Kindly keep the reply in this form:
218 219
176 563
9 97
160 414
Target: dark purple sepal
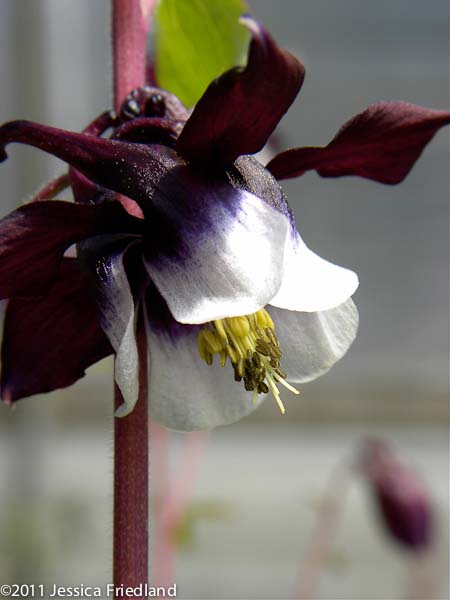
48 342
381 143
34 238
240 109
84 190
127 168
400 496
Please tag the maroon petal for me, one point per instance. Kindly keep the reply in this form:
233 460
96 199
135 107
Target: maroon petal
382 143
127 168
241 108
48 342
34 238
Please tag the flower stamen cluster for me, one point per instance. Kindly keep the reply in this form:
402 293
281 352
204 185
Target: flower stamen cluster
250 343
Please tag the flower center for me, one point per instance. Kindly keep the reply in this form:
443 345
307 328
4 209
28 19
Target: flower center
253 349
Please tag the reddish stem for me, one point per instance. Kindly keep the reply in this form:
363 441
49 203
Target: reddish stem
130 563
131 484
52 188
131 19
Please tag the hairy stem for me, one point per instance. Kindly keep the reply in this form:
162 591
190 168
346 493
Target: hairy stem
131 489
131 484
131 20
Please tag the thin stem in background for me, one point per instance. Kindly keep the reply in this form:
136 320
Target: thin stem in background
162 559
52 188
324 533
173 501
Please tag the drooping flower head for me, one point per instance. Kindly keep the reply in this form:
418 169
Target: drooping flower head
201 240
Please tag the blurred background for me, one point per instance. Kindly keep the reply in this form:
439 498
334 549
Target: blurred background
255 500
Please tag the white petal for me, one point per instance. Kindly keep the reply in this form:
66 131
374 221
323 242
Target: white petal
311 283
117 313
312 343
186 394
220 250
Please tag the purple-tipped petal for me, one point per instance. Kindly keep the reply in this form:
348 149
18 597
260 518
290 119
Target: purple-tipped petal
382 143
48 342
312 342
241 108
34 238
127 168
115 287
309 282
213 250
185 393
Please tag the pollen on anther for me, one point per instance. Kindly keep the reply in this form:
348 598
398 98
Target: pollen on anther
252 346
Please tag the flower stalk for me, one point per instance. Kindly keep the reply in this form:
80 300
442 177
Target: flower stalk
131 453
130 29
131 484
324 532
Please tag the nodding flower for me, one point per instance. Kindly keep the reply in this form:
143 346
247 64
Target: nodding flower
175 220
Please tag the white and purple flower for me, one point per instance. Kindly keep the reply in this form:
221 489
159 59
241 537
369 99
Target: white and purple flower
200 239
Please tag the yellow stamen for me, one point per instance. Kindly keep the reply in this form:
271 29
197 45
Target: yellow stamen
252 346
220 329
276 393
239 326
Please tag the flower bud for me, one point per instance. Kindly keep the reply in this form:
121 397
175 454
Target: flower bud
399 494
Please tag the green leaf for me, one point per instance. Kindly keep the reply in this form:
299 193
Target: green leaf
195 42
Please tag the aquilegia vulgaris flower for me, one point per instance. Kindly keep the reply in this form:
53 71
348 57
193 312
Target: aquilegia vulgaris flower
201 239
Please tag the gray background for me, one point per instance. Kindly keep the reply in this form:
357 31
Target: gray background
55 68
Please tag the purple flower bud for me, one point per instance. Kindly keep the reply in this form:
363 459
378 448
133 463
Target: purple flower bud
400 496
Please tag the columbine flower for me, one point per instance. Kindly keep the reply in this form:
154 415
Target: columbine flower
201 238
